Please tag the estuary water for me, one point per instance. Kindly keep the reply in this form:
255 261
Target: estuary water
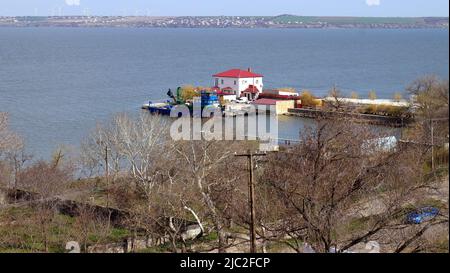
57 83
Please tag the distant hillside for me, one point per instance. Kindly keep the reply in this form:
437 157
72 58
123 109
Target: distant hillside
294 19
281 21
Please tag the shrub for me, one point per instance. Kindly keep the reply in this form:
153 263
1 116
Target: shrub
398 96
188 92
308 99
370 109
354 95
372 95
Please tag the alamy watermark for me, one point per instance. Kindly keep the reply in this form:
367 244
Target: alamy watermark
250 122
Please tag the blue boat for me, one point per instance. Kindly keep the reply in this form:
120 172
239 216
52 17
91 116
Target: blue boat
207 99
161 108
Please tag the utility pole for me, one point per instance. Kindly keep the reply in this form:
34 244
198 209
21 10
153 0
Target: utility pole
251 196
16 173
432 120
107 184
432 145
107 175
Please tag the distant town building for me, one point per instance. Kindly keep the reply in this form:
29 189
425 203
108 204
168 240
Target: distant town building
240 83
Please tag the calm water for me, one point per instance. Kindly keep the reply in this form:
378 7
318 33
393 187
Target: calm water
57 83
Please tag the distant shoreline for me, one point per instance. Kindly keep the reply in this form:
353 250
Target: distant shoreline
282 21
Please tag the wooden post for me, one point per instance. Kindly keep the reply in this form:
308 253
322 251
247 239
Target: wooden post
432 145
107 175
251 193
251 197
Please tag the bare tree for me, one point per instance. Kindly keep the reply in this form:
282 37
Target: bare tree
207 167
89 227
8 140
431 107
431 95
97 148
341 174
134 146
47 182
145 163
336 95
12 155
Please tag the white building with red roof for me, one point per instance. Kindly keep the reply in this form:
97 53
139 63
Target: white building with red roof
240 82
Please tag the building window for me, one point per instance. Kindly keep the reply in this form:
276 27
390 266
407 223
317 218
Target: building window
257 81
221 81
235 82
217 82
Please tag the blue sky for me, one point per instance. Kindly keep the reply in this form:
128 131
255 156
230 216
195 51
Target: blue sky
405 8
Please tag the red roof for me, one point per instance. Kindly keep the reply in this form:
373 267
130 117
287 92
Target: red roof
251 89
265 102
238 73
225 93
278 97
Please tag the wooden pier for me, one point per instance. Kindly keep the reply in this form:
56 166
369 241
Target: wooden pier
357 117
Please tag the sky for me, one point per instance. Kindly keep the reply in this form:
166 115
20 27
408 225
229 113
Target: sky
382 8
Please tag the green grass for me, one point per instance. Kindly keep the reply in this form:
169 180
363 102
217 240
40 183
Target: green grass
14 250
277 247
442 246
431 202
27 237
210 237
23 235
357 224
118 234
157 249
